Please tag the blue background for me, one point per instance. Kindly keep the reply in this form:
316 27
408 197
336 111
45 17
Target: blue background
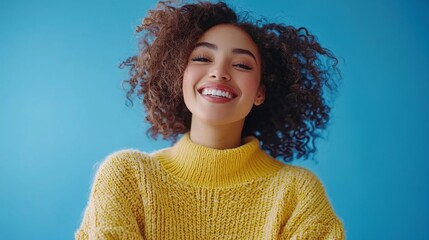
62 109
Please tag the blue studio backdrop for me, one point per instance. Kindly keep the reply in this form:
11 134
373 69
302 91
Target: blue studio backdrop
62 109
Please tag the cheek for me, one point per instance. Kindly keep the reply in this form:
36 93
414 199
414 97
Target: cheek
251 85
187 79
191 76
188 76
187 84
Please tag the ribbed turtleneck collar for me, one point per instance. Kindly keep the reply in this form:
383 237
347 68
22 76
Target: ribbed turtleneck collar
203 166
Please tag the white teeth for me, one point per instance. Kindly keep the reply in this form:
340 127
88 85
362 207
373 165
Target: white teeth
216 92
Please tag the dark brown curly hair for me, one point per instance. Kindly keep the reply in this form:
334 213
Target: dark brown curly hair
297 73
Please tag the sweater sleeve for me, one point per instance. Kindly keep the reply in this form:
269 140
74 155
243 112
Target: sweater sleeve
114 209
313 217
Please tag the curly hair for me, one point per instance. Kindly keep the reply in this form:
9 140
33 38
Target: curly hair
297 73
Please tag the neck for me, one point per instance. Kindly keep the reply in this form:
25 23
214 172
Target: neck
216 136
202 166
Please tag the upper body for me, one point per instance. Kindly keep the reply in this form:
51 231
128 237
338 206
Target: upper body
243 93
190 191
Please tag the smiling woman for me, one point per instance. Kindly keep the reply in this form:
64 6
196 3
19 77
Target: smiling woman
241 94
221 84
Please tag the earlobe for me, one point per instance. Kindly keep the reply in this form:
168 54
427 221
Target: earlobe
259 101
260 96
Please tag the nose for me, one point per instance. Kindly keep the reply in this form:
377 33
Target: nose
220 72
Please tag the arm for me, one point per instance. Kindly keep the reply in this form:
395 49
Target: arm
114 210
313 217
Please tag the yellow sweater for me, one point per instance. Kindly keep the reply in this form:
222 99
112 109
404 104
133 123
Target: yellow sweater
193 192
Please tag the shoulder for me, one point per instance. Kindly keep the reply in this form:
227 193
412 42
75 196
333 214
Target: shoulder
298 173
305 181
123 159
122 164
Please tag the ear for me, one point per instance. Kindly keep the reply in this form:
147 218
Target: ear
260 95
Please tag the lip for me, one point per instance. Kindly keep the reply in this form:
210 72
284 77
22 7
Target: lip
218 87
215 99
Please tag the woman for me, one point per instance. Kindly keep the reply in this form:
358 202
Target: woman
242 94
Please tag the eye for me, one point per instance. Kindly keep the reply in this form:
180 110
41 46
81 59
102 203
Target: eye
243 66
200 59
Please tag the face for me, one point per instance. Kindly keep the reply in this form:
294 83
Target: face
221 82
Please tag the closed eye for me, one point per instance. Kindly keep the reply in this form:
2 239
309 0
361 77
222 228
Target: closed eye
243 66
200 59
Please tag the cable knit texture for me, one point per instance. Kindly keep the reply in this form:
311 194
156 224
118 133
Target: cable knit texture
190 191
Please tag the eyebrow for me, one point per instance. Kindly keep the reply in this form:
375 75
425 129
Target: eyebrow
235 50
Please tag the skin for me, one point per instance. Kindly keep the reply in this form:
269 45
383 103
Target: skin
225 59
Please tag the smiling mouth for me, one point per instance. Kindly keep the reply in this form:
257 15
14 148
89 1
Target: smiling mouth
216 93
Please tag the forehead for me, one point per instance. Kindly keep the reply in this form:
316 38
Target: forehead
228 36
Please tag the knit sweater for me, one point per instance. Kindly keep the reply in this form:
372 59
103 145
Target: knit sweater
189 191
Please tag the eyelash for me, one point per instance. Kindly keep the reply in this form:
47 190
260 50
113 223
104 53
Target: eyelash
201 59
243 66
206 59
